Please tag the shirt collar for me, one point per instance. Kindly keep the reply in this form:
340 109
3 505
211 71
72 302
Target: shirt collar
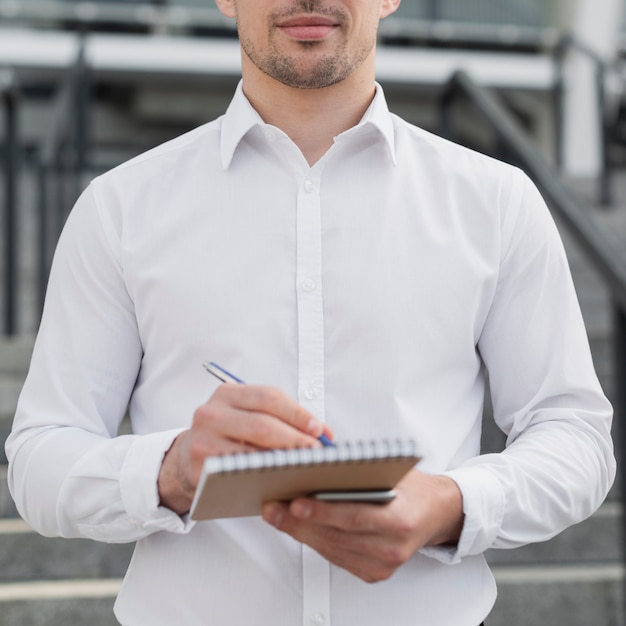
379 118
241 117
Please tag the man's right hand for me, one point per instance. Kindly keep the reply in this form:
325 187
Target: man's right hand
237 418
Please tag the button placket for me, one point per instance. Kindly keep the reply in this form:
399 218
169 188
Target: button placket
309 294
309 297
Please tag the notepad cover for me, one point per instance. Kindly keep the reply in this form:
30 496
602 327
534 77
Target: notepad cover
238 485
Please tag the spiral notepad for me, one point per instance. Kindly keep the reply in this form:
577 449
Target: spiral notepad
238 484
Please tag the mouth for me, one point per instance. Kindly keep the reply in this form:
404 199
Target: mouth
308 27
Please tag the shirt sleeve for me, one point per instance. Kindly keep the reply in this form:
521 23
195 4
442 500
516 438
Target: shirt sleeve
558 464
70 473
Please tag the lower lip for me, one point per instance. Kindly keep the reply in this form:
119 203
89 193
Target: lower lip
308 33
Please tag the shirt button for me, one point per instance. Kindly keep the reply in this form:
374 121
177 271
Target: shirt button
317 619
310 393
308 284
309 186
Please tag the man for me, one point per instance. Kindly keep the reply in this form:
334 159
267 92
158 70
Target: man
315 244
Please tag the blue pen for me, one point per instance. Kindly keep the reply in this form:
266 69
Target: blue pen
227 377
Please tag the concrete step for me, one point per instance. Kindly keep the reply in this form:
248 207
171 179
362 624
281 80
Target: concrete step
7 506
59 603
583 596
589 595
526 597
15 353
27 556
5 429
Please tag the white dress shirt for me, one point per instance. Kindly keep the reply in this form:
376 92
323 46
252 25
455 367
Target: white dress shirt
376 287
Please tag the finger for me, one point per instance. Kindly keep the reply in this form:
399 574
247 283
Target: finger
219 420
271 401
370 557
265 431
352 517
324 538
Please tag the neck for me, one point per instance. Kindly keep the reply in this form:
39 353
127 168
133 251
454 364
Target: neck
312 118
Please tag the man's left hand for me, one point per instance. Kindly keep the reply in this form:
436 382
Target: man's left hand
372 540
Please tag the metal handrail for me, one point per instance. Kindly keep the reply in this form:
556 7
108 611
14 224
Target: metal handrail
61 161
605 253
9 95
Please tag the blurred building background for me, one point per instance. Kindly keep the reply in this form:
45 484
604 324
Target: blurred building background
85 85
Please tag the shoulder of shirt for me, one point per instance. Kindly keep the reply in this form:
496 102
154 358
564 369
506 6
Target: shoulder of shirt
169 149
451 153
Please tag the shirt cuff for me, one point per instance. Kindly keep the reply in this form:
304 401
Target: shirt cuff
483 505
139 488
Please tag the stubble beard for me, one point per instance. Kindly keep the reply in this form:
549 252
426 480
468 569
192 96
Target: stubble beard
301 74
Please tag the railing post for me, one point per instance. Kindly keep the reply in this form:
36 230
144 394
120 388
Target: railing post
605 183
446 100
619 402
82 130
43 231
9 92
619 381
558 104
62 159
